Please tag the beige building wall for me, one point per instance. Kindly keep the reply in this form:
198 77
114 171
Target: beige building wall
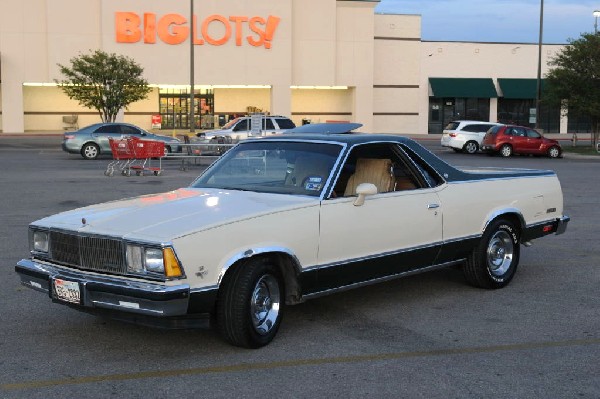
397 74
378 59
479 60
316 43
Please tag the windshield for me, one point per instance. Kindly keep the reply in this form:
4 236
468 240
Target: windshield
273 167
229 124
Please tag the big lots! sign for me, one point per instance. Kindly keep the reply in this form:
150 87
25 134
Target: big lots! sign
174 29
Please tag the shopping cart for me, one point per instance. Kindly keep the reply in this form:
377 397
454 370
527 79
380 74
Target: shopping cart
127 151
146 151
123 156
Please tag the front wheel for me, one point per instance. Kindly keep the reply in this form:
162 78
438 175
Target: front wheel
471 147
554 152
494 261
250 304
90 151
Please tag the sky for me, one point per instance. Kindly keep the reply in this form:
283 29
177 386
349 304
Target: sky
497 21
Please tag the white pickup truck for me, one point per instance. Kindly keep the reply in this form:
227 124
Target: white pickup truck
283 219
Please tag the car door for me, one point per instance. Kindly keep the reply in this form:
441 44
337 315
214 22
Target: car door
103 133
241 130
534 142
391 233
518 139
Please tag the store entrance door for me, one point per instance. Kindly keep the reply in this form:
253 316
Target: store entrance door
175 111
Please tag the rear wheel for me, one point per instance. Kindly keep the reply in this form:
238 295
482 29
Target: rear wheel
554 152
250 304
90 151
471 147
506 150
494 261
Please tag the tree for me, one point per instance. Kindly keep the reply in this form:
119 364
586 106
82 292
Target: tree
574 79
105 82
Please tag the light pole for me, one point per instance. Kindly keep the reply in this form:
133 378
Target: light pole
538 93
192 122
596 14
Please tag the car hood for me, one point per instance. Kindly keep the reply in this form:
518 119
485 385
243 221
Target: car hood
166 216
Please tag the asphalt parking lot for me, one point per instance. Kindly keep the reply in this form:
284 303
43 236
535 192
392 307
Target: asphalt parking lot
426 336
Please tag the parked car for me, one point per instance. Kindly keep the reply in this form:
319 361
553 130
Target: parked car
242 128
465 136
92 140
283 219
509 139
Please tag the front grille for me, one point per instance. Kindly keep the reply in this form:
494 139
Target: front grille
99 254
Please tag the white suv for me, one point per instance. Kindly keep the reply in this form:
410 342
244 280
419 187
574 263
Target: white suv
465 135
250 126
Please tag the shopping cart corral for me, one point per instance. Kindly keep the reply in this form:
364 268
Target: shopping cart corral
133 154
202 154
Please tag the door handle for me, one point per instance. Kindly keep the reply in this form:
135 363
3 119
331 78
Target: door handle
433 206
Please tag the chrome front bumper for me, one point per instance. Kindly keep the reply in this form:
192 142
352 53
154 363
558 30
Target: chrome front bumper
107 292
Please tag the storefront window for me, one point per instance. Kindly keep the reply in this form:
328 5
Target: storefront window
174 108
445 110
520 112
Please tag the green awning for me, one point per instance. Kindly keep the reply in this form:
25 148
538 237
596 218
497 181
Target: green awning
463 87
519 88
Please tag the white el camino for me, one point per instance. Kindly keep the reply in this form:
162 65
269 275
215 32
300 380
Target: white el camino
280 220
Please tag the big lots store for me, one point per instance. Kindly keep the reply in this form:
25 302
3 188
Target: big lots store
317 60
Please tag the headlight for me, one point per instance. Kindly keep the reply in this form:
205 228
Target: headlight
143 260
153 258
40 241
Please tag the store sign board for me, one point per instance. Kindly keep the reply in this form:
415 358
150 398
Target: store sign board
174 29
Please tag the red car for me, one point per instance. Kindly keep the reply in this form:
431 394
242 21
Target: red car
508 140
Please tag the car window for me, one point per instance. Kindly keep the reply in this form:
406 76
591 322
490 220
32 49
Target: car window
533 134
452 126
494 129
108 129
130 130
476 128
285 123
273 167
518 131
382 164
241 126
269 124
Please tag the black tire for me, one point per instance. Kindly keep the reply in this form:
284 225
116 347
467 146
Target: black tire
250 304
493 263
90 151
471 147
554 152
506 150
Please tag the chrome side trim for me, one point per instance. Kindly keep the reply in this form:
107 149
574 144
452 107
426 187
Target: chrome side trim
374 256
250 252
501 212
381 279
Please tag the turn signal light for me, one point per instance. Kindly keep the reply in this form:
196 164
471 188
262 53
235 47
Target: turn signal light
172 267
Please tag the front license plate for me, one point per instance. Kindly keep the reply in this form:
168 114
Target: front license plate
67 291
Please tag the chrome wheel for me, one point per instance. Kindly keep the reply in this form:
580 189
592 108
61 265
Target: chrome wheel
90 151
554 152
264 304
471 147
506 150
500 253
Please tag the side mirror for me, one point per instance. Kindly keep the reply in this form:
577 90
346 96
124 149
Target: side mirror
363 190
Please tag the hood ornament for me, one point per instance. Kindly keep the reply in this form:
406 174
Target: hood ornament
83 221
